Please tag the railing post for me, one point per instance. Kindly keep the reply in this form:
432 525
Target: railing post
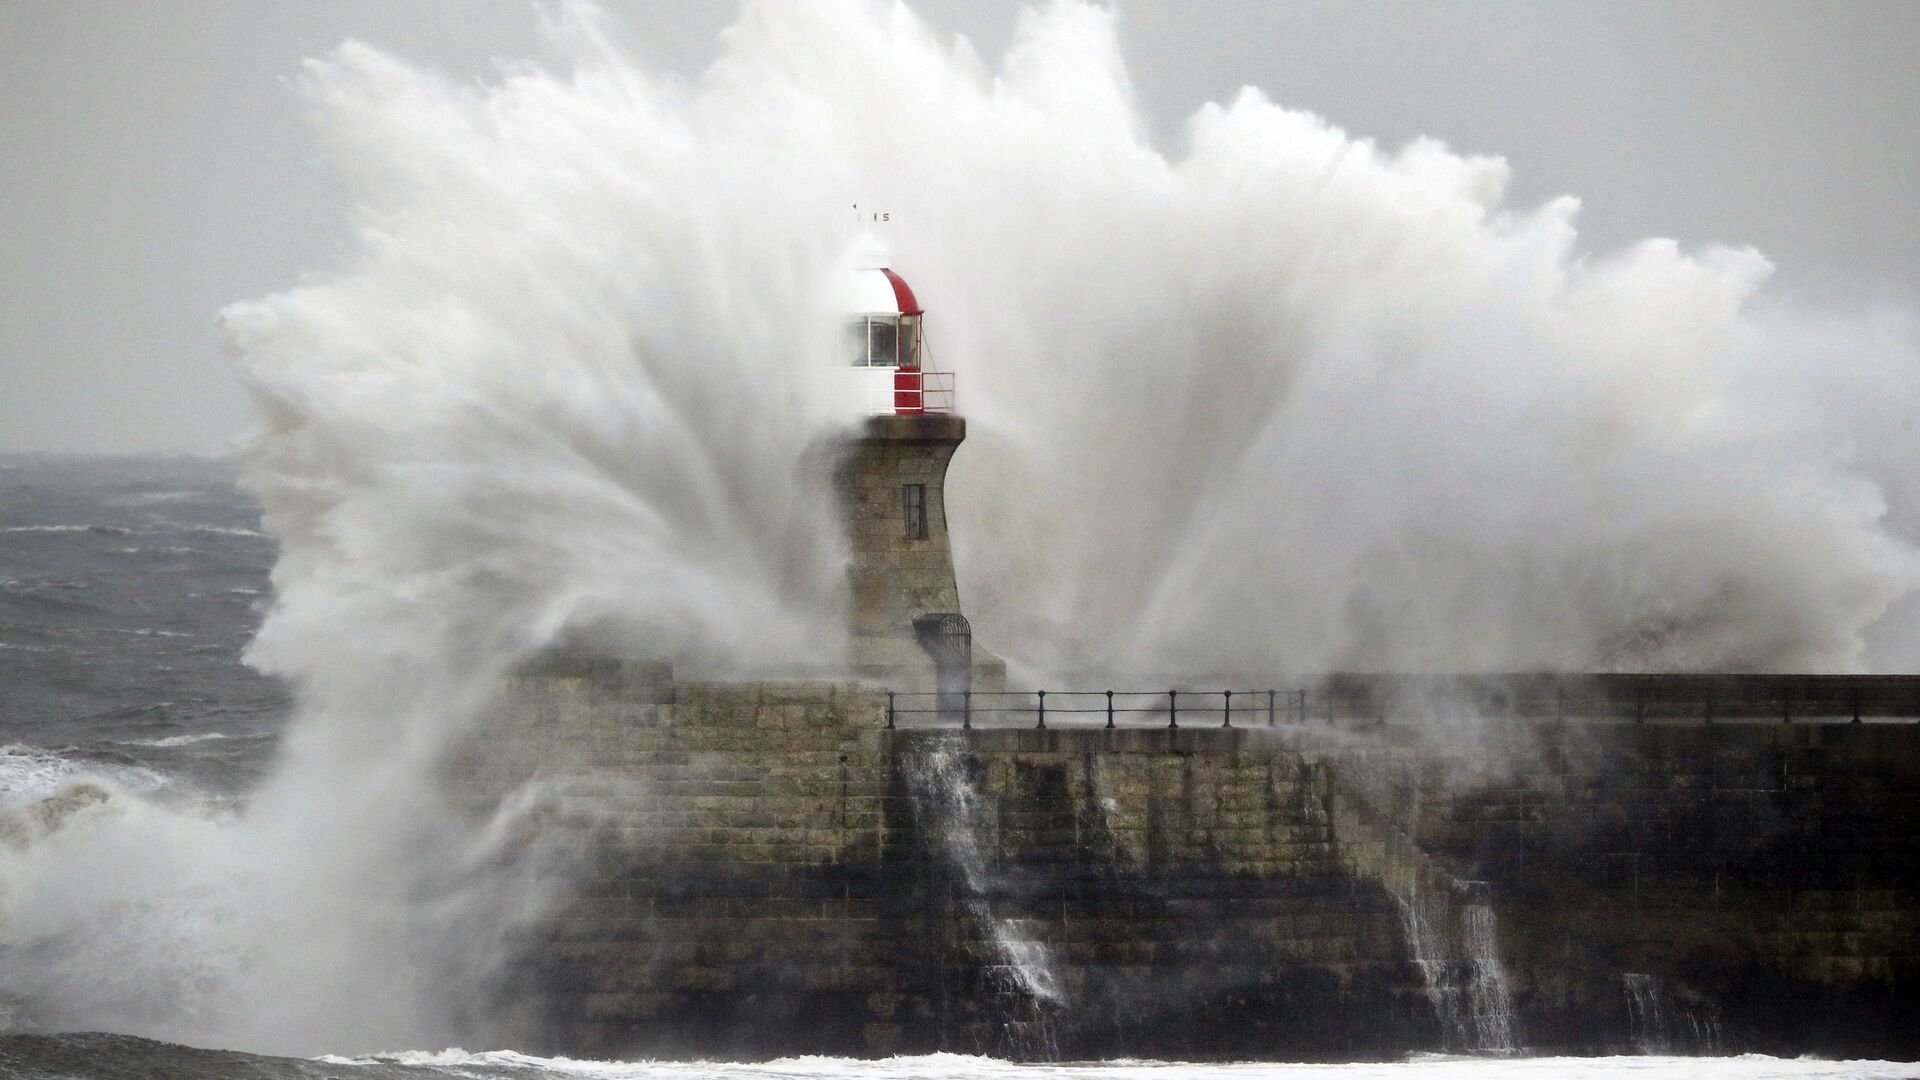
889 710
966 709
1173 708
1109 708
1043 709
1226 708
1272 696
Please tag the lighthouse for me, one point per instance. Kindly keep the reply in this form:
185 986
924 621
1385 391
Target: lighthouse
890 479
887 365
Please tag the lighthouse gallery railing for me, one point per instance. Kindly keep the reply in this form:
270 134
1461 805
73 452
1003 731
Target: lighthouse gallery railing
911 393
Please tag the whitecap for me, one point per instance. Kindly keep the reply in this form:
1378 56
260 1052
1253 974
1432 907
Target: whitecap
169 525
178 740
148 498
28 772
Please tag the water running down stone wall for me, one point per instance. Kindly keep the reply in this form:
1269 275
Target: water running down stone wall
770 872
1766 877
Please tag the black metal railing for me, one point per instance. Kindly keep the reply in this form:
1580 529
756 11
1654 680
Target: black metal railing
1360 701
1097 708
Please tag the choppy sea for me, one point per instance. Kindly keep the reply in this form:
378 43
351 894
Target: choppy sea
128 590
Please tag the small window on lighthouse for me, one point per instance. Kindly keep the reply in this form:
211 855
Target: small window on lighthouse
913 502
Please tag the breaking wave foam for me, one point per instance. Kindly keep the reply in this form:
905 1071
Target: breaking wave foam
179 740
966 1067
28 773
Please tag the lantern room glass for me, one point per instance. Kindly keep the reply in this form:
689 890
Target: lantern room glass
909 354
884 341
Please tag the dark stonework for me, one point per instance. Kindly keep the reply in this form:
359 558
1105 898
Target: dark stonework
768 872
1768 873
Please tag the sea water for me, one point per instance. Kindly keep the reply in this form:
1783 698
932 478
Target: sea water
59 1058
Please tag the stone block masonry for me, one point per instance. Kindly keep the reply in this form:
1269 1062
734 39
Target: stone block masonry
896 573
890 482
772 873
1767 875
726 895
764 870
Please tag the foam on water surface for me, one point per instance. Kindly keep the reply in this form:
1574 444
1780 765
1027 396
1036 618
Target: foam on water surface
171 741
28 773
963 1067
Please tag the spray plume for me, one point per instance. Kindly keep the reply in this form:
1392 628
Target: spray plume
1283 402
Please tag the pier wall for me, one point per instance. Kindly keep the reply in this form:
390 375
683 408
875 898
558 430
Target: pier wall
765 870
1767 875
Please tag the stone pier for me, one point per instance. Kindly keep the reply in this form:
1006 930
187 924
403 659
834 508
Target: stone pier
766 870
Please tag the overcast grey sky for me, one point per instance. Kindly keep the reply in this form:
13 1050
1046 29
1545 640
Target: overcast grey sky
153 166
